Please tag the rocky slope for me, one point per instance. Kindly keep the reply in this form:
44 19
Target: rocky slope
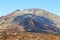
27 36
31 20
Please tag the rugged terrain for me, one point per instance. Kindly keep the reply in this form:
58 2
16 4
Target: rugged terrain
30 24
27 36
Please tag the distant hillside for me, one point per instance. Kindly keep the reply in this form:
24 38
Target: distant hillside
31 20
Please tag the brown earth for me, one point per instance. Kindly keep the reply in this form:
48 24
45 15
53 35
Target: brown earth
27 36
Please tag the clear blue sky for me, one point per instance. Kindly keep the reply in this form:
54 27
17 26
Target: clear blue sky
7 6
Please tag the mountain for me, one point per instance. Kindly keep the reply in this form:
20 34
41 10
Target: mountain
30 20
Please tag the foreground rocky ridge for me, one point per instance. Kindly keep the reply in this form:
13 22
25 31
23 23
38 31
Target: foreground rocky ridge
27 36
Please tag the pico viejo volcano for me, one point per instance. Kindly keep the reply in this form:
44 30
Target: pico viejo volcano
36 21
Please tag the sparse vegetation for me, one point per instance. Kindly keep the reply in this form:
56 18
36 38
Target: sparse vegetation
27 36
